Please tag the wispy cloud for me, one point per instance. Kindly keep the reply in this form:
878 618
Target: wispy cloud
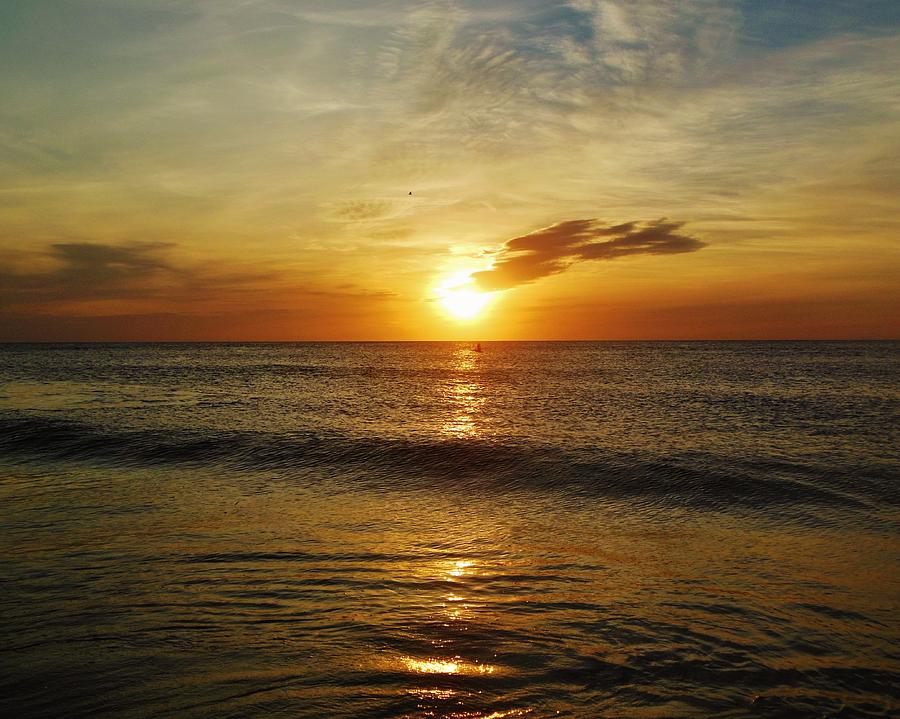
72 276
115 278
277 141
553 249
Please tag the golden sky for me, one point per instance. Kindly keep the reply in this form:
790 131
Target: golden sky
590 169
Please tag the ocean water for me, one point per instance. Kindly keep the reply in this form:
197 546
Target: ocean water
420 530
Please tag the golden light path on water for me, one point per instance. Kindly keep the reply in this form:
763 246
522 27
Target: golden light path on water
493 557
446 666
452 609
464 395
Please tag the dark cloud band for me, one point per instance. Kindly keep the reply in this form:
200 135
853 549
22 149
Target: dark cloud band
553 249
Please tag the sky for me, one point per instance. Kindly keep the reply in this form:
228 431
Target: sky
382 170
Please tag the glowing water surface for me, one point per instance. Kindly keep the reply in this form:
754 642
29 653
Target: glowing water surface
584 530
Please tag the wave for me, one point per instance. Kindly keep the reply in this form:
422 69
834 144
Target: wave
691 479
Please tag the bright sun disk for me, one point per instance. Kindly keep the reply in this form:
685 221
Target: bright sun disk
461 301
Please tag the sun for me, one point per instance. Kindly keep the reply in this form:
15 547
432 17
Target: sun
463 303
461 300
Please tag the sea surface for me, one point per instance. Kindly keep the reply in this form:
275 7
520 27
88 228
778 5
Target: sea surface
421 530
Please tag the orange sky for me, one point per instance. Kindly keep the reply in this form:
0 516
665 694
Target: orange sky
606 170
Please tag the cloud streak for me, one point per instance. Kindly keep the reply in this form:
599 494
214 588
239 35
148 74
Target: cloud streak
71 276
276 142
554 249
84 270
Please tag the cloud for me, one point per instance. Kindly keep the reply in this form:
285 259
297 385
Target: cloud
364 210
287 135
554 249
68 275
655 41
84 270
148 290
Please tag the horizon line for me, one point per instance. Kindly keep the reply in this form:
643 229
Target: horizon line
472 341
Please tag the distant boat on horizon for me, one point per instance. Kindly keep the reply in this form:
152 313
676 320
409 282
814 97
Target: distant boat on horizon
477 347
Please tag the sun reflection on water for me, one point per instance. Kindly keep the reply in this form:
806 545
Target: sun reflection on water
453 608
464 395
432 693
458 569
454 665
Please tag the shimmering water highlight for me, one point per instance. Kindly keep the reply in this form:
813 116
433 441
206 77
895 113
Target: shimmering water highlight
418 530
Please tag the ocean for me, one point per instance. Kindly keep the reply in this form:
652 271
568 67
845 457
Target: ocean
536 530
